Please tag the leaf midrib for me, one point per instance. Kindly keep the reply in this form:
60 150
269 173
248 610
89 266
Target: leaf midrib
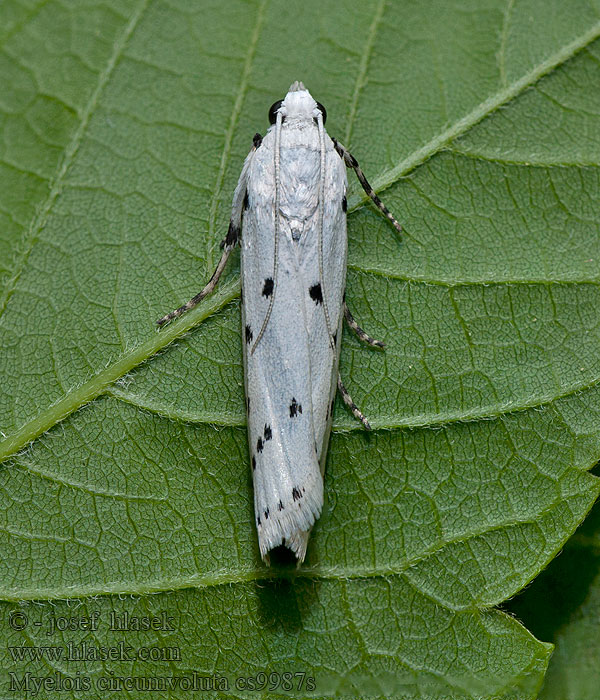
92 388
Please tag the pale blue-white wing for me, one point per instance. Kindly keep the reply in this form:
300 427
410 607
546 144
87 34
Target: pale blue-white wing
288 488
332 279
325 295
290 376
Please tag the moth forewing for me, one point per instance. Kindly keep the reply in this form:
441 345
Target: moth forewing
290 208
293 267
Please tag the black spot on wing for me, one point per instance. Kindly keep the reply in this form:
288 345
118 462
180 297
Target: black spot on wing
266 514
268 287
233 235
259 444
268 432
296 493
295 408
257 140
249 335
316 293
247 201
253 463
344 203
280 505
258 521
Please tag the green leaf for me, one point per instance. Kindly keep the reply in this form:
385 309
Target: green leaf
125 468
562 606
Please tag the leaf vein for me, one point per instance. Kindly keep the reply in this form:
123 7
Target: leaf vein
235 115
390 422
482 110
503 41
362 69
56 184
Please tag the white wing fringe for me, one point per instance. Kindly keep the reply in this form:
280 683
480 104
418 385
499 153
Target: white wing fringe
291 525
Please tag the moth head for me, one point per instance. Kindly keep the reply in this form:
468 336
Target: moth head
298 105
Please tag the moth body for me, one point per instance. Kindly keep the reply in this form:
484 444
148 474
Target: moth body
291 370
289 214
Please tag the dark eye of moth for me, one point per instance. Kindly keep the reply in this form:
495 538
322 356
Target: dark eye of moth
273 111
323 111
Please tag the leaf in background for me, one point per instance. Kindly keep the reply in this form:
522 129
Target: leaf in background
125 125
562 606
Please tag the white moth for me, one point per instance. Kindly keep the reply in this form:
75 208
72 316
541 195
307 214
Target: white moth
289 212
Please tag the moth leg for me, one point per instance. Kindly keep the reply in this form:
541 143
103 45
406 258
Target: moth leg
362 335
212 283
351 162
351 405
229 242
